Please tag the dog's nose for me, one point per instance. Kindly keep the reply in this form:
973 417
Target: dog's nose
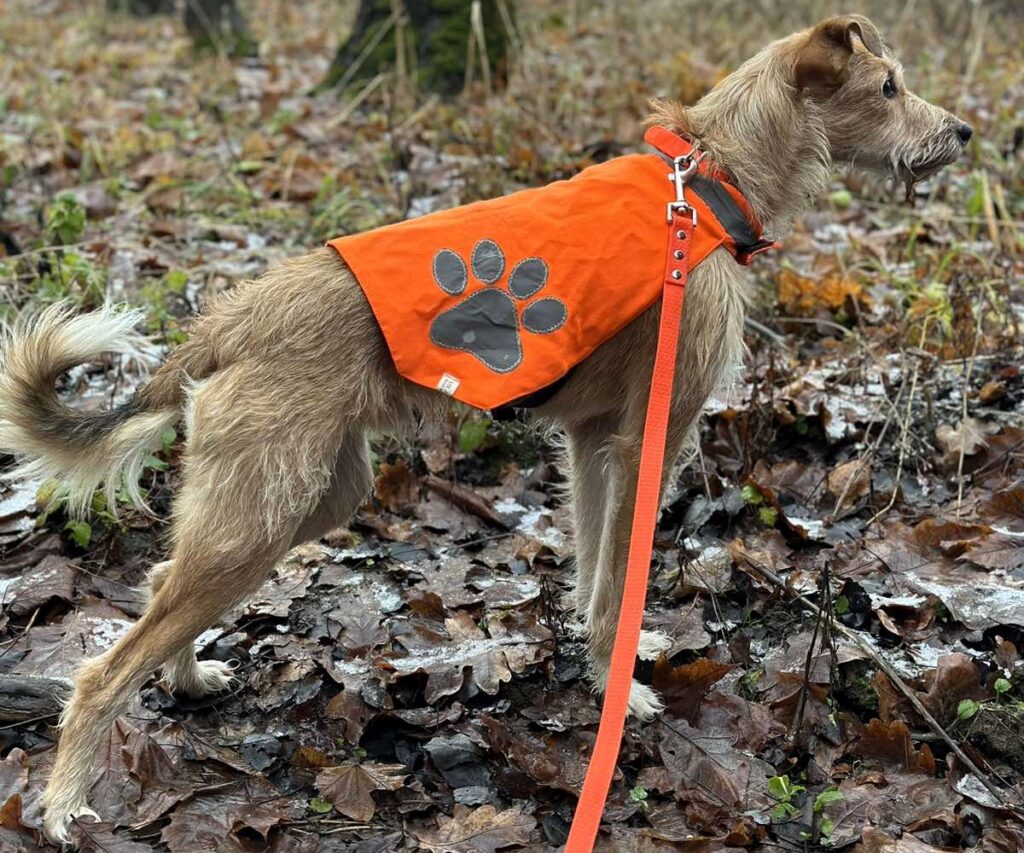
965 131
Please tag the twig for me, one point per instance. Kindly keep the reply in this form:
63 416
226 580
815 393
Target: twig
352 105
428 107
855 638
26 698
823 622
364 54
768 334
805 688
963 422
979 18
477 38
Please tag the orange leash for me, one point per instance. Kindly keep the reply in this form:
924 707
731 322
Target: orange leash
645 516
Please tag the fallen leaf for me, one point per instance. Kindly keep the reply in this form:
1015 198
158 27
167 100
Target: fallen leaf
684 687
713 780
875 841
956 678
350 787
511 644
396 486
482 830
850 481
998 551
804 296
14 835
54 577
891 745
206 821
92 837
968 437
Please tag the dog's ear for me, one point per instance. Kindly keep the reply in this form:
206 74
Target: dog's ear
821 63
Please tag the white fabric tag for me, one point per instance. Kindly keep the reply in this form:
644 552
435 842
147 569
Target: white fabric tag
448 384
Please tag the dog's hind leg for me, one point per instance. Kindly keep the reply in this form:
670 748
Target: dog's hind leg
201 585
351 481
250 481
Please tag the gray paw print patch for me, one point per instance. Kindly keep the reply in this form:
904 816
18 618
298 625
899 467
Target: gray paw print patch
486 323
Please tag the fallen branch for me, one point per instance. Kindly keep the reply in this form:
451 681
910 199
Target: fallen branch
465 499
26 697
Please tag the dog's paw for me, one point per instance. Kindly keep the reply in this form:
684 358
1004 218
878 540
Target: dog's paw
204 678
652 644
57 820
644 703
487 323
215 676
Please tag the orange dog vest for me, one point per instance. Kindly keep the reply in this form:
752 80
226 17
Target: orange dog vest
496 301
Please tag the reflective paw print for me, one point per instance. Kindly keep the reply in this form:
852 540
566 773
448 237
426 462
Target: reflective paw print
486 323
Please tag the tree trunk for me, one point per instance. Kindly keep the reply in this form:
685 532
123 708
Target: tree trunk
142 8
218 25
439 40
211 24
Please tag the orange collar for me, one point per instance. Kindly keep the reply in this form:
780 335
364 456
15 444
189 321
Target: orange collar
714 195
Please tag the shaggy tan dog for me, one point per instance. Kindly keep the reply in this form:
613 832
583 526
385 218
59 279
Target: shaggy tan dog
284 377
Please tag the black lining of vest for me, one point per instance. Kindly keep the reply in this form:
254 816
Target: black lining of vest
726 211
531 401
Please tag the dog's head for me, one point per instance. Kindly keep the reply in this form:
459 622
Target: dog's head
871 118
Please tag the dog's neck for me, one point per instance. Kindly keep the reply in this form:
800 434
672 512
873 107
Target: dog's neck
770 142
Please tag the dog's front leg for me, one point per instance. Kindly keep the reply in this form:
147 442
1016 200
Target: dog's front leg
603 614
588 462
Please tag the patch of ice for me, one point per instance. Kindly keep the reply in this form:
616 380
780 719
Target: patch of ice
108 631
978 606
5 585
815 529
509 506
208 638
550 536
878 601
387 597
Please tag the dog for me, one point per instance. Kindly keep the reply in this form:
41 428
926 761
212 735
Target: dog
284 377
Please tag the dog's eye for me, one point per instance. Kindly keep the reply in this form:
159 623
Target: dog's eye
889 88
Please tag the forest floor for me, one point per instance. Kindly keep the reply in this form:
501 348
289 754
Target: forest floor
843 555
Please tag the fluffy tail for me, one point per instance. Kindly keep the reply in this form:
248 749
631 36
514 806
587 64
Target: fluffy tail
52 441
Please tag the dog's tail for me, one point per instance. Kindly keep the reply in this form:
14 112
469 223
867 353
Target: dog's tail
81 451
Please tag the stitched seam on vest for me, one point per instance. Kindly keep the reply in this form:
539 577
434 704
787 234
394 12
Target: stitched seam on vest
545 331
501 257
538 288
437 275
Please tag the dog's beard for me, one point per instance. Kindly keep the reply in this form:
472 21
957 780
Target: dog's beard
916 168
